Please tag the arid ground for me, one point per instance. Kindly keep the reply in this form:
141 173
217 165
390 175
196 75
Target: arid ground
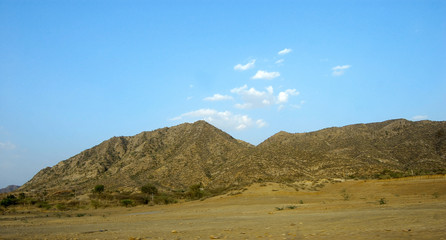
409 208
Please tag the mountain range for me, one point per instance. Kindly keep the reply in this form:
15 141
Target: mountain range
9 188
191 153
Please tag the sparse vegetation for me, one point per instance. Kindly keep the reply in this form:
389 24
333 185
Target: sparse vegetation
149 189
44 205
195 192
345 195
382 201
164 199
9 200
127 202
61 207
95 204
99 189
436 194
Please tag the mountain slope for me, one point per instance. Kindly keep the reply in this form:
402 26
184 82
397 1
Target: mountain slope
363 149
173 158
177 157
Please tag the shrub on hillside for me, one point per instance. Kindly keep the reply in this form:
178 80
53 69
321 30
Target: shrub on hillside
9 200
127 202
196 191
98 189
149 190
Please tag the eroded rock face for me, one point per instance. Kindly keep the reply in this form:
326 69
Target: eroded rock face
177 157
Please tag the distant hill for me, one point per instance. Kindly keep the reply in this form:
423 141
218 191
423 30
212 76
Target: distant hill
177 157
9 188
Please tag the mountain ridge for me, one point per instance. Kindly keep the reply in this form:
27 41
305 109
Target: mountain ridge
174 158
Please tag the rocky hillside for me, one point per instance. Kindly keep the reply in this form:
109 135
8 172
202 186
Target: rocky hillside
363 149
177 157
172 158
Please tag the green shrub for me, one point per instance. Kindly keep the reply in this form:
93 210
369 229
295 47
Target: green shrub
9 200
196 191
149 189
382 201
127 202
99 189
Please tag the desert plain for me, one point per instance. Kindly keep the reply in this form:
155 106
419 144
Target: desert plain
406 208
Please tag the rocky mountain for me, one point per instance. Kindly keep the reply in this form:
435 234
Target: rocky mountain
177 157
9 188
363 149
172 158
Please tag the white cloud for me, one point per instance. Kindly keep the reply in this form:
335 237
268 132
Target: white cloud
419 117
265 75
246 66
253 98
218 97
280 61
240 89
225 120
285 51
283 96
7 146
270 89
339 70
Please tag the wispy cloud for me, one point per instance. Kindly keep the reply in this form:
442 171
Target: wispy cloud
247 66
280 61
298 106
218 97
266 75
7 146
339 70
225 120
420 117
285 51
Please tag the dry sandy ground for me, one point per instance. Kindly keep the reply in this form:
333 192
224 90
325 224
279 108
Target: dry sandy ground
414 209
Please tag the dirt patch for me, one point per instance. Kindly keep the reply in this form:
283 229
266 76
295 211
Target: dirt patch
385 209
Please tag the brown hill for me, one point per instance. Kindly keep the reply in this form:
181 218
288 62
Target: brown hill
172 158
362 149
177 157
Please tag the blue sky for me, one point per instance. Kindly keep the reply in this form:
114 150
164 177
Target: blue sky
76 73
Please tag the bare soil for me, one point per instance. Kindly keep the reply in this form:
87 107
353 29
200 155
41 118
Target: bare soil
409 208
